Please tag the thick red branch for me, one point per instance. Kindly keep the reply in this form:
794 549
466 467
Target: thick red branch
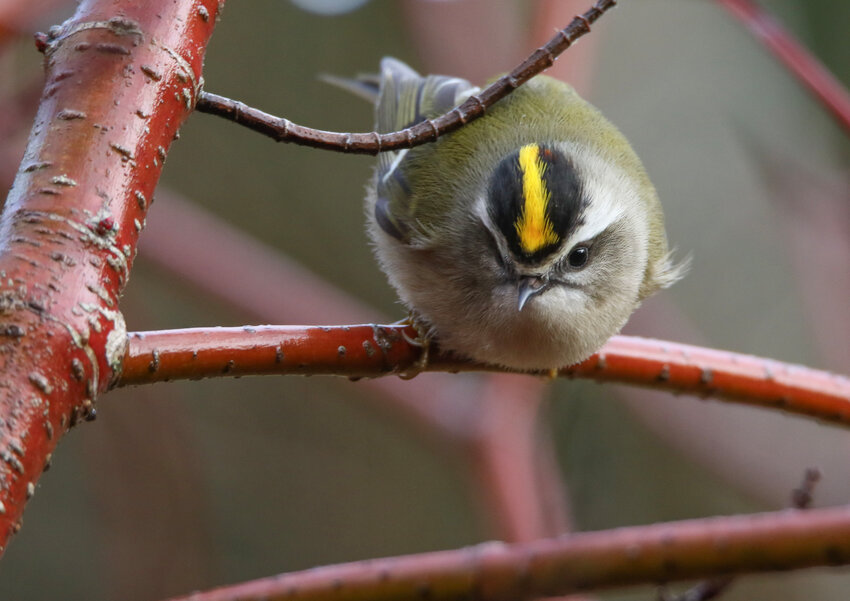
376 350
120 79
572 563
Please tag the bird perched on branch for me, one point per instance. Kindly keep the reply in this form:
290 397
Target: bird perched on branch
524 239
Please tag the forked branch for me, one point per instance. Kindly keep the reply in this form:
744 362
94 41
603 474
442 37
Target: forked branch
283 130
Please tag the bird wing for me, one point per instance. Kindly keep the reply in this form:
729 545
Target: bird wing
404 99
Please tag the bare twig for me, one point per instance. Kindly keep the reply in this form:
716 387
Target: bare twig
283 130
802 496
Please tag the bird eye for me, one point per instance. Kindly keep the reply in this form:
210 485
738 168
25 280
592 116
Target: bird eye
578 257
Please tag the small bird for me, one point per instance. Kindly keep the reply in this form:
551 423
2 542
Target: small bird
526 238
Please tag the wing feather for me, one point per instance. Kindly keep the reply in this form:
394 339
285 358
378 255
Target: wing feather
406 98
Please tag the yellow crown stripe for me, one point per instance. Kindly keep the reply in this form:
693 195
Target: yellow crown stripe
533 227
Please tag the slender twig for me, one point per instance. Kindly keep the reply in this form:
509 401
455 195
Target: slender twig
796 58
803 495
376 350
283 130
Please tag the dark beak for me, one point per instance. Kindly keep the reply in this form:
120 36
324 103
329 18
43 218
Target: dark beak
527 287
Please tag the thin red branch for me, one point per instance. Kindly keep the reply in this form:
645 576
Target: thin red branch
376 350
480 416
118 85
795 56
573 563
205 251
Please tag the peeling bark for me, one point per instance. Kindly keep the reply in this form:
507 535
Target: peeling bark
121 77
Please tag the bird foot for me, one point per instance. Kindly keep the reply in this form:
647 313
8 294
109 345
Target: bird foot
422 341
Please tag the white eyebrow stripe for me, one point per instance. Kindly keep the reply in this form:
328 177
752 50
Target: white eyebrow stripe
604 215
604 188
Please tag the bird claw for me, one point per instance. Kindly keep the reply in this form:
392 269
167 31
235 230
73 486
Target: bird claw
422 341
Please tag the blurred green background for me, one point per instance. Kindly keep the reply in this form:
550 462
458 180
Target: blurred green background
195 484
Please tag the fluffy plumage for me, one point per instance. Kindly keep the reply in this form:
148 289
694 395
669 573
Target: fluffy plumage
441 217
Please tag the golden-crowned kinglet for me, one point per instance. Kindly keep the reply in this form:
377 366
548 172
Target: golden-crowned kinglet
524 239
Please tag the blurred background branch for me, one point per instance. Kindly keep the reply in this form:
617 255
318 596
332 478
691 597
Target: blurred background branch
724 132
794 56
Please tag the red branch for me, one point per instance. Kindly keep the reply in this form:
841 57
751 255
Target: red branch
119 82
494 419
375 350
799 61
572 563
